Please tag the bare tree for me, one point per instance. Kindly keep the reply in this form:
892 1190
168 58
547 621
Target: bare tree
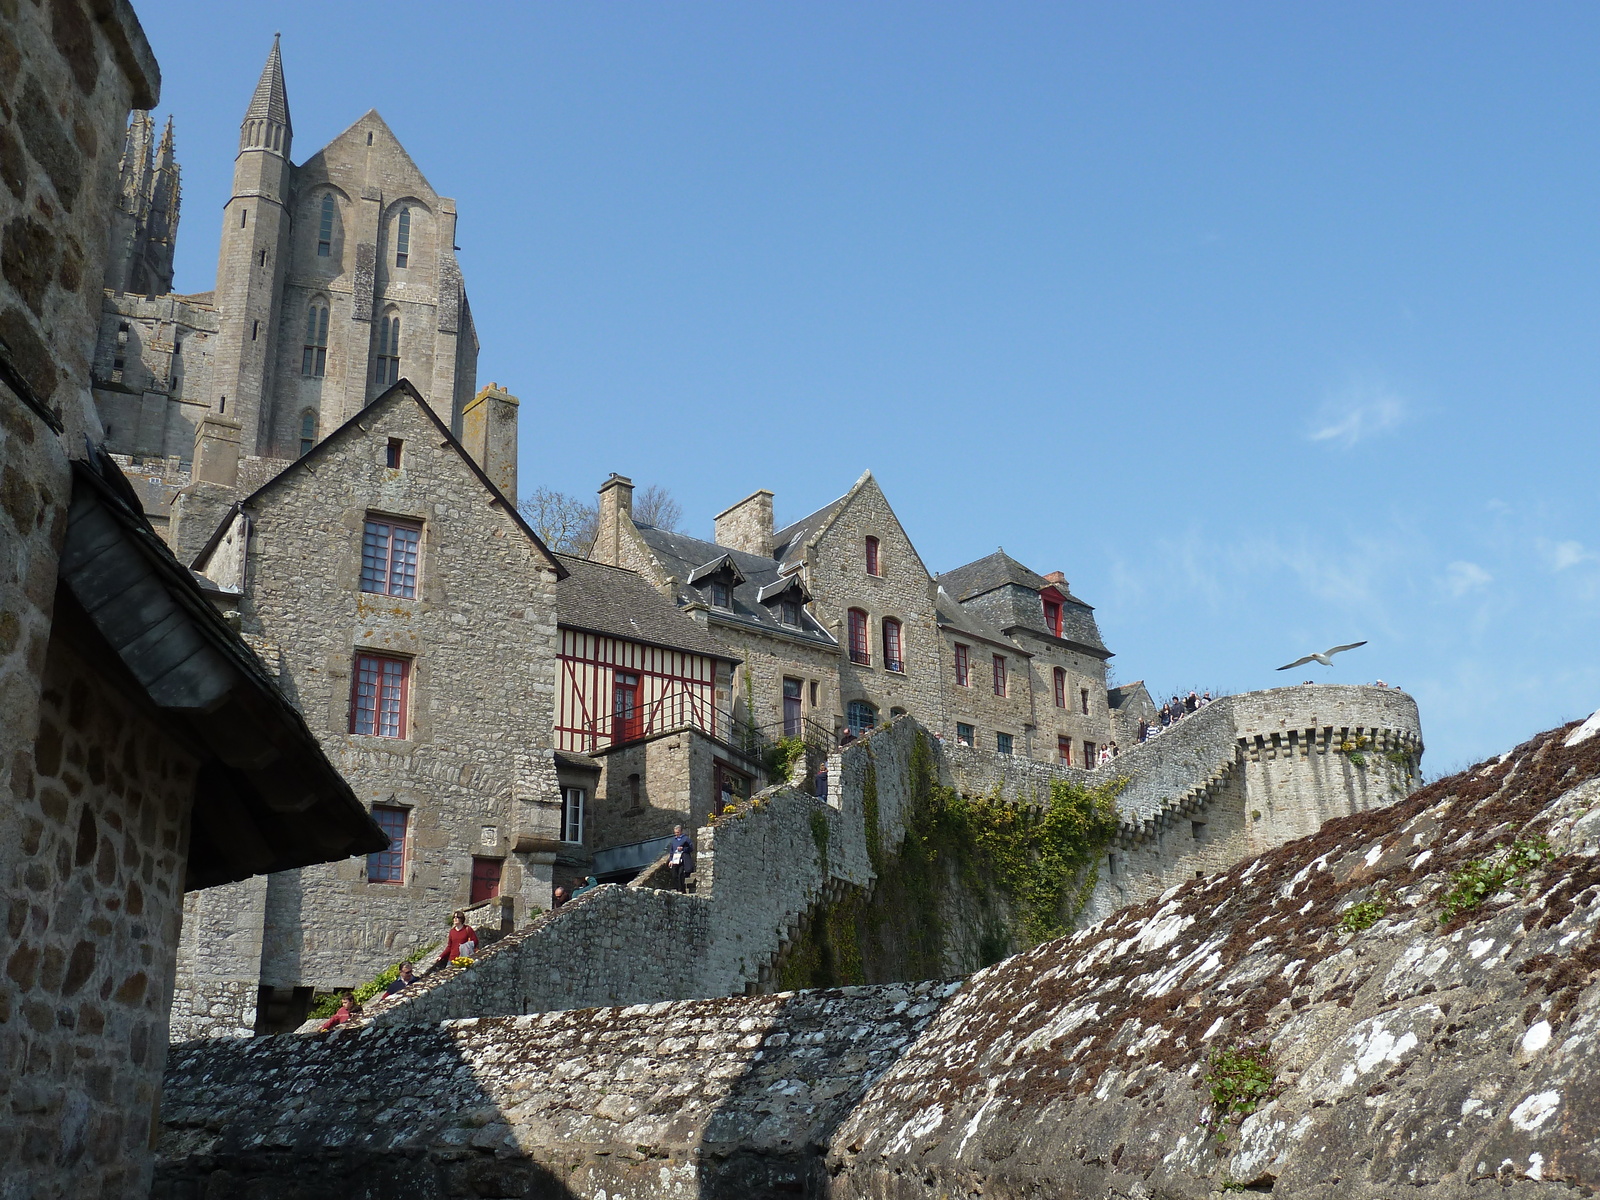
564 522
656 507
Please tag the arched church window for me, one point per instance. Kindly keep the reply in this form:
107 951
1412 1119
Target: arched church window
402 240
314 357
325 228
308 431
386 364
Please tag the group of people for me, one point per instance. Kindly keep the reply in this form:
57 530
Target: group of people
460 942
1172 712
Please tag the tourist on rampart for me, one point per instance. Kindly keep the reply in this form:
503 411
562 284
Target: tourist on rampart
1191 703
402 981
558 897
348 1008
1166 716
461 942
588 885
680 857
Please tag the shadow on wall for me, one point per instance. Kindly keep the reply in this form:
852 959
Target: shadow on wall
733 1098
385 1123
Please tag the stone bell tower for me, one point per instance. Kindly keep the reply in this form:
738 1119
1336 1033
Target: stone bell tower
250 267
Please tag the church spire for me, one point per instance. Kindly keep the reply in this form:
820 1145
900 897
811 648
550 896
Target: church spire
266 122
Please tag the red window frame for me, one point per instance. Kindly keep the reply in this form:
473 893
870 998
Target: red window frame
860 651
894 651
390 555
389 866
1064 749
627 710
1052 616
1061 688
485 879
873 565
380 687
963 679
999 674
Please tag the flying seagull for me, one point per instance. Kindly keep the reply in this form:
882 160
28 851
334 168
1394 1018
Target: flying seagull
1325 658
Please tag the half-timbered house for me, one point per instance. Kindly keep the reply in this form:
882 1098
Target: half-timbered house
643 721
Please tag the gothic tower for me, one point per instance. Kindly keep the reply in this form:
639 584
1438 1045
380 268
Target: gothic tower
250 266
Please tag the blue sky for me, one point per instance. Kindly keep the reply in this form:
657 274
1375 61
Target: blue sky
1273 326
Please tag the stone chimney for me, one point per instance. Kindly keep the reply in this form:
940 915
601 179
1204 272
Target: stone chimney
1057 578
489 432
747 525
216 450
616 504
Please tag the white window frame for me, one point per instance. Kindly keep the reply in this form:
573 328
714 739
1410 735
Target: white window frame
574 802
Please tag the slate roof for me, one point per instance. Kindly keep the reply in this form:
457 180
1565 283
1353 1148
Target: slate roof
1122 693
998 570
271 99
951 615
789 543
621 603
681 555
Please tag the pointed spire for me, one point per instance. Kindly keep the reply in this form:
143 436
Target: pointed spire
271 100
165 156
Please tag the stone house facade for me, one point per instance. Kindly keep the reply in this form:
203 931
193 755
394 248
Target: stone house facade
832 616
334 279
840 627
143 750
1069 715
370 576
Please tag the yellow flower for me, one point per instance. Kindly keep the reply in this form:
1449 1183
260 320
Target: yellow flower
462 961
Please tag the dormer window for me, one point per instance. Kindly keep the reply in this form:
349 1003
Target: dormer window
721 595
1052 616
790 612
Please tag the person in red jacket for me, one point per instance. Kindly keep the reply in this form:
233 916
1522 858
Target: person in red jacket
461 943
348 1008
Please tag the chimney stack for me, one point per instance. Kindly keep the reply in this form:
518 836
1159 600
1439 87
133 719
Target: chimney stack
616 504
489 432
216 450
747 526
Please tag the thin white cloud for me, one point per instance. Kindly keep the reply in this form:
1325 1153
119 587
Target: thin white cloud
1568 554
1463 577
1357 412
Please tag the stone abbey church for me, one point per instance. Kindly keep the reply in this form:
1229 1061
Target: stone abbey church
310 441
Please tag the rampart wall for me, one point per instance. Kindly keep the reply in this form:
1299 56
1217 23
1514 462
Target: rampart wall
1189 800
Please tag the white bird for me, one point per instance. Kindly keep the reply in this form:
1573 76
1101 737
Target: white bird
1325 658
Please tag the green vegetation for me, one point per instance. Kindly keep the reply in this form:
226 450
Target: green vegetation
1241 1077
819 835
1507 869
1355 749
327 1005
1364 914
781 757
1019 875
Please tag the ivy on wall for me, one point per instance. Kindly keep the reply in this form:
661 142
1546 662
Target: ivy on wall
1016 875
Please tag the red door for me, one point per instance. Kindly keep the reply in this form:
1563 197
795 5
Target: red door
627 722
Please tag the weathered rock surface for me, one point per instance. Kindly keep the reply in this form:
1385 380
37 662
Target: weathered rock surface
727 1098
1413 1058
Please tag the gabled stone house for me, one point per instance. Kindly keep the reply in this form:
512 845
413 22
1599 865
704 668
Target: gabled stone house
409 612
1069 717
833 615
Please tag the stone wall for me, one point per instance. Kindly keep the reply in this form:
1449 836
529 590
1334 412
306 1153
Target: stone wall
768 661
93 845
1423 1054
763 874
710 1098
1414 1053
